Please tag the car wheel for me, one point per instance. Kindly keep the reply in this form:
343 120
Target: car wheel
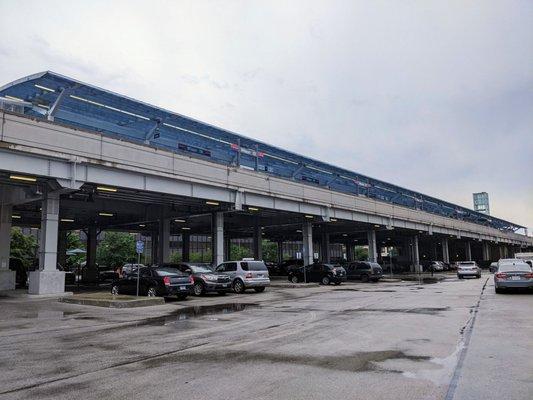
238 286
182 296
294 279
459 276
114 290
198 289
222 293
326 280
151 292
374 280
498 290
259 289
479 276
364 278
337 283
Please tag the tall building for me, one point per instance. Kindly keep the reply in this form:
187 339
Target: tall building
481 202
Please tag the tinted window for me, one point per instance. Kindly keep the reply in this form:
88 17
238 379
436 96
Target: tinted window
145 273
229 267
514 267
362 267
253 266
165 271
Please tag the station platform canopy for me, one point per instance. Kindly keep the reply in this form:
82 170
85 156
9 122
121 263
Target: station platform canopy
64 100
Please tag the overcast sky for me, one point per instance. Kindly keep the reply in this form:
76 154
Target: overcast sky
436 96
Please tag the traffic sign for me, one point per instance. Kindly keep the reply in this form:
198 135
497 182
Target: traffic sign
139 247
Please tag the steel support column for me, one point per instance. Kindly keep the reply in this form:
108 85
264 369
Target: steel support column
185 246
485 249
163 245
415 254
280 251
325 253
468 251
258 241
349 252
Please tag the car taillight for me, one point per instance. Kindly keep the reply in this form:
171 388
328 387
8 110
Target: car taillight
500 275
166 280
529 276
248 275
191 279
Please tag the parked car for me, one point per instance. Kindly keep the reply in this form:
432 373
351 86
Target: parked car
364 270
155 281
128 269
245 274
467 268
205 279
513 274
318 272
285 266
493 267
434 266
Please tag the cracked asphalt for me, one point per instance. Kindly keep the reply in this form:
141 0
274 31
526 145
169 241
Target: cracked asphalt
454 339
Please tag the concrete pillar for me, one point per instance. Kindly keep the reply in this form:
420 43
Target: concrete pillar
502 254
416 255
62 248
186 247
217 235
7 277
258 241
280 251
163 245
91 272
485 249
445 251
307 234
48 280
324 248
153 248
349 252
227 248
372 246
468 251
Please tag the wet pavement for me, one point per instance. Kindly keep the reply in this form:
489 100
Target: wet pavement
388 340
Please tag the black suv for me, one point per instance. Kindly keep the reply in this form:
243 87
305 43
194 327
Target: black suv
205 280
318 272
364 270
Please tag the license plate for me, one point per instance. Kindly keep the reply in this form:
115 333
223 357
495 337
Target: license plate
183 288
515 278
225 285
260 275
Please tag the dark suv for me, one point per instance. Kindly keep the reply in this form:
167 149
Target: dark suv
364 270
205 280
318 272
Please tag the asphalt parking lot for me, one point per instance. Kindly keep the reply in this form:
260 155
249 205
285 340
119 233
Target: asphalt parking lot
455 339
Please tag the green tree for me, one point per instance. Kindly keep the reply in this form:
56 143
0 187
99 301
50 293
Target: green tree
23 247
116 249
361 253
270 251
74 242
240 252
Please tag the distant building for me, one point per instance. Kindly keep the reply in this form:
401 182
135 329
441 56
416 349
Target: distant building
481 203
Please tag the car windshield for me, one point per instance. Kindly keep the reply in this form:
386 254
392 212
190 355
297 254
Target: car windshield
516 267
199 269
375 265
253 266
165 271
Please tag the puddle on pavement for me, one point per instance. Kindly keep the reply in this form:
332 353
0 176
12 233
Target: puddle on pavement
427 280
188 313
355 362
421 310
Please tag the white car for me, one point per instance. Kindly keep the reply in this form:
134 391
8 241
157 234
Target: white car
468 268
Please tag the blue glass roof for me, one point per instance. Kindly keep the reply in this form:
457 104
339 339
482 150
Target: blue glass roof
74 103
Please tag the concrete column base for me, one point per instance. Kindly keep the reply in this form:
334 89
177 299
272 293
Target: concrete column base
7 279
47 282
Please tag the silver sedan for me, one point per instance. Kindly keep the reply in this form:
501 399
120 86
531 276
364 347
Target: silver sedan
513 274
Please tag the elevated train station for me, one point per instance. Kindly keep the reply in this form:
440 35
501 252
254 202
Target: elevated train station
77 157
